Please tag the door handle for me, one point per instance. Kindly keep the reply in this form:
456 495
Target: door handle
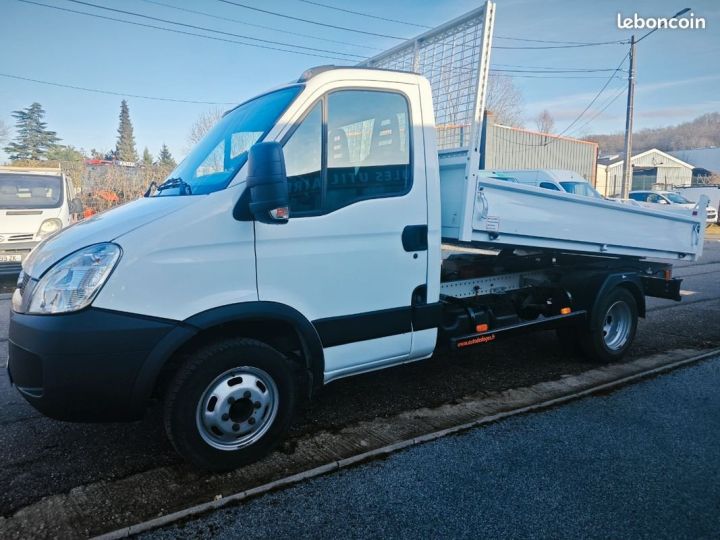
415 238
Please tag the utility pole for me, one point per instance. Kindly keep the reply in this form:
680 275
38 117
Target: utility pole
627 166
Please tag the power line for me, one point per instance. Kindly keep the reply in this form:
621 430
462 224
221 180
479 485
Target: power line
551 67
576 43
176 31
205 29
264 27
110 92
364 14
346 29
557 137
552 71
521 76
613 100
596 96
566 46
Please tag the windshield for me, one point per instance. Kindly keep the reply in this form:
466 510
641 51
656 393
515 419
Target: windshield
30 191
216 159
677 198
580 188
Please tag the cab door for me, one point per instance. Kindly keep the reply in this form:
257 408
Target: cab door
355 247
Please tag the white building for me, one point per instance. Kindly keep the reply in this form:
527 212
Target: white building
650 169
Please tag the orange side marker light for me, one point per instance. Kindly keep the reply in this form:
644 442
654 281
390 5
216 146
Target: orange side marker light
482 328
565 311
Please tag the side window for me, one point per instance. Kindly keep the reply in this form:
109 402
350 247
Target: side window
549 185
303 163
368 153
641 197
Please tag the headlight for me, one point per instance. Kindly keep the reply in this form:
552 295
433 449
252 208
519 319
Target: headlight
74 282
48 227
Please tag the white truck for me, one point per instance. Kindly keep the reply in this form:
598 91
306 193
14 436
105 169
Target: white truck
35 202
316 233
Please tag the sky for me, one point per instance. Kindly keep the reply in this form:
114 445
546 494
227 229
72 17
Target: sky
677 77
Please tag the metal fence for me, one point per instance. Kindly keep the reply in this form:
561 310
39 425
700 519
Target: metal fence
454 57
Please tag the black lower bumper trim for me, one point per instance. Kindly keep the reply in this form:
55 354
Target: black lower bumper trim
82 366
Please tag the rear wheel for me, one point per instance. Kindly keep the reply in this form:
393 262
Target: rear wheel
230 404
613 331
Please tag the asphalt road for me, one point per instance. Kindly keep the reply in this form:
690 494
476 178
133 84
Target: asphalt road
41 457
643 462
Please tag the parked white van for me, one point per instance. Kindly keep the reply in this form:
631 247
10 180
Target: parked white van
34 204
553 179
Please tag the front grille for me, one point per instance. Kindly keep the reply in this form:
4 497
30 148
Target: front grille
20 238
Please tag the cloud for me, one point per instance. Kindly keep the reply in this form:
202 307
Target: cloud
652 87
683 112
559 105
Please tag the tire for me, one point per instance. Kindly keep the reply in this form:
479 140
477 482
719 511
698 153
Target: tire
613 331
230 404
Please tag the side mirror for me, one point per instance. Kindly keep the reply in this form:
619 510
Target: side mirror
267 182
75 206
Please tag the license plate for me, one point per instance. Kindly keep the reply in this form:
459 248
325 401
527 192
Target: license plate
10 258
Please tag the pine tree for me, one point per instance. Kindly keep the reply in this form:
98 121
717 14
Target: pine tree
125 148
165 157
147 157
33 140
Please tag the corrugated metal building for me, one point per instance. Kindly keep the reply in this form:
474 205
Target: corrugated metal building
650 169
513 148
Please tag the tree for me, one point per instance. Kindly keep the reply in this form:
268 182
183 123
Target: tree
64 152
504 101
203 124
165 157
147 157
33 140
545 122
4 132
125 148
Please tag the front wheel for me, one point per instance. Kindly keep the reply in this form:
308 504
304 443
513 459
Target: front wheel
613 331
230 404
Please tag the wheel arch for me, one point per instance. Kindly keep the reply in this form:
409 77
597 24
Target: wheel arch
587 288
253 318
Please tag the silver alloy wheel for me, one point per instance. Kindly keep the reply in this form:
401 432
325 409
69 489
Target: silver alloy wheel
617 325
237 408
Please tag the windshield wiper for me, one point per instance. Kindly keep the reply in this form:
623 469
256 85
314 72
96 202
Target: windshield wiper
185 188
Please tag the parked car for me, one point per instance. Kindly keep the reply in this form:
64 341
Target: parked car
34 203
712 192
671 198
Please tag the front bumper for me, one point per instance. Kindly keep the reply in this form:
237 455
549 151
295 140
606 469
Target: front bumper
13 250
82 366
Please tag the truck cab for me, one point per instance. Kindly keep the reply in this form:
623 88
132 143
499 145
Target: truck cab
34 204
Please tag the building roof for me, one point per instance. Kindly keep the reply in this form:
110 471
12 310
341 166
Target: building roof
619 158
701 158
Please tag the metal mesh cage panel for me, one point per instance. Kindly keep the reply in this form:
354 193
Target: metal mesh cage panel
450 57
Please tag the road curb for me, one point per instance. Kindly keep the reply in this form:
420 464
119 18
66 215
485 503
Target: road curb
383 451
